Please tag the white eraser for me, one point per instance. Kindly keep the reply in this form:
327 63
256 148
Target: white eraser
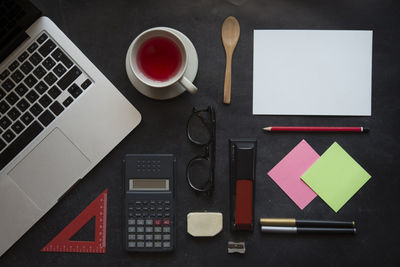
204 223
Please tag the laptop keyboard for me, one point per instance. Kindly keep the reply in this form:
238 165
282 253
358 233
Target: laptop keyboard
35 88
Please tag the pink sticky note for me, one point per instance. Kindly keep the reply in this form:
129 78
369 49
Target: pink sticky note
288 171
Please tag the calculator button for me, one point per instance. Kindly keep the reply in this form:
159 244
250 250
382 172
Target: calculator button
131 237
152 215
145 208
149 229
152 202
130 208
140 229
157 229
166 208
149 222
166 229
149 244
157 244
159 209
166 215
157 237
140 244
157 222
145 214
152 209
159 202
131 229
131 244
131 222
138 209
166 222
138 202
145 202
166 202
166 244
149 237
140 237
159 214
167 237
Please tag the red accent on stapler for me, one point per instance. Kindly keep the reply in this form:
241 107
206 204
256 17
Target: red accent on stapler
244 204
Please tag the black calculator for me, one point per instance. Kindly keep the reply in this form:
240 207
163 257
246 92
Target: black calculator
149 202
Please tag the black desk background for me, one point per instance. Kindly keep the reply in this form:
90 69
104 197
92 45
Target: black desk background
103 30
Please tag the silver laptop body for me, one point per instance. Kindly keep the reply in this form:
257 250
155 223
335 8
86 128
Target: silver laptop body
67 148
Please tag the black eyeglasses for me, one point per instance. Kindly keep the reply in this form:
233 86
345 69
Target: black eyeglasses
200 130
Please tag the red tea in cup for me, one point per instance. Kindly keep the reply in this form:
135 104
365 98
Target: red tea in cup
159 58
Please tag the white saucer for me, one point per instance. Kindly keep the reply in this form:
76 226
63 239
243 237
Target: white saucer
175 89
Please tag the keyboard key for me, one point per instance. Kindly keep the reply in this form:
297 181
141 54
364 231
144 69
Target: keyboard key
140 237
140 222
131 244
157 244
14 65
86 84
47 47
35 59
17 76
48 63
36 109
59 70
69 78
21 89
167 237
20 143
140 244
41 87
58 55
12 98
57 108
132 222
8 85
66 102
26 67
74 90
131 229
157 229
149 237
45 101
17 127
54 92
149 244
157 237
50 78
13 114
4 107
30 81
166 244
42 38
22 105
4 74
8 136
32 96
131 237
2 94
149 222
140 229
5 122
149 229
27 118
33 47
23 56
46 118
39 72
166 229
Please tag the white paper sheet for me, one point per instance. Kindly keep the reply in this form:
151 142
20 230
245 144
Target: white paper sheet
312 72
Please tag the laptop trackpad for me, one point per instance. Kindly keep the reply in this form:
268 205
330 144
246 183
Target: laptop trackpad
50 169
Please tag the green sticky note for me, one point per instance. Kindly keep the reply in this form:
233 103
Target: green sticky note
335 177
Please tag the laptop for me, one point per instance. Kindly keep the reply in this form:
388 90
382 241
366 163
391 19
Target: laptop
59 116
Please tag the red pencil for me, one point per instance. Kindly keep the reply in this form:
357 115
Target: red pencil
315 129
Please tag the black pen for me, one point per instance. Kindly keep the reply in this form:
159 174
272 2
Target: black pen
306 230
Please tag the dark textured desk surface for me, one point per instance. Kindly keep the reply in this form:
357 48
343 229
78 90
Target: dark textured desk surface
103 30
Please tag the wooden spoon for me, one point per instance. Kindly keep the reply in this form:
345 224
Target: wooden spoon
230 36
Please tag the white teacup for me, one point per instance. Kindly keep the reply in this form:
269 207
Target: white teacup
158 58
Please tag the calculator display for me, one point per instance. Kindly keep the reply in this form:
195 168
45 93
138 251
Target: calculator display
150 184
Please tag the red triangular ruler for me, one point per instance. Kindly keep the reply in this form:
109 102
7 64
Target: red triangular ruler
62 242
